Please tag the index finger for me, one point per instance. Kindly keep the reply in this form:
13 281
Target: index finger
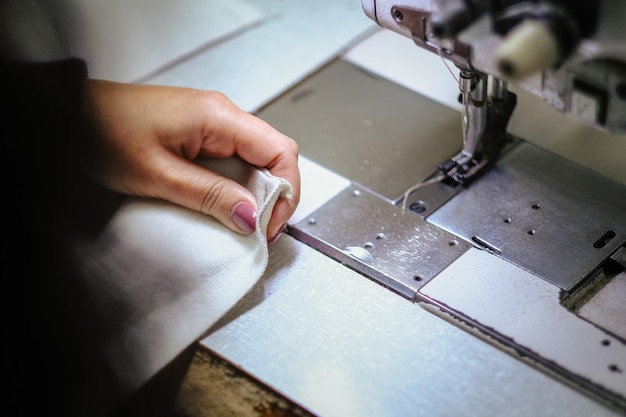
260 144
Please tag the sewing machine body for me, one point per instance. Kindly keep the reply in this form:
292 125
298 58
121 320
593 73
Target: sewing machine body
530 254
502 256
584 76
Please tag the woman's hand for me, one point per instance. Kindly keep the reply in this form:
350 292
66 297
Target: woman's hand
145 138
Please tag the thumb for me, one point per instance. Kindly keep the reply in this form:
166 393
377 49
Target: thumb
201 189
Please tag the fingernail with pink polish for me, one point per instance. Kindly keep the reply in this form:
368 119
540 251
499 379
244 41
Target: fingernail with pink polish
244 216
277 235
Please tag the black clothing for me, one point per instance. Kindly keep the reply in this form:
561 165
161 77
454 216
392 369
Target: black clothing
49 206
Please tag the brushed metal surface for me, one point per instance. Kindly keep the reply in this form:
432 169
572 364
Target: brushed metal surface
542 213
366 128
399 250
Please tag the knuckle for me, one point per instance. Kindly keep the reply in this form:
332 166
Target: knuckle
212 197
216 99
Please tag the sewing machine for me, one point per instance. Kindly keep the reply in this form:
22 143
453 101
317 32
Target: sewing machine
568 54
573 56
516 244
447 258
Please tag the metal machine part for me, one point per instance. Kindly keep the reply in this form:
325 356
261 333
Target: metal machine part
473 88
363 227
572 54
543 213
483 120
375 237
548 217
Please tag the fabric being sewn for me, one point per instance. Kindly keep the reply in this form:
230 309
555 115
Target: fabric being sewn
160 275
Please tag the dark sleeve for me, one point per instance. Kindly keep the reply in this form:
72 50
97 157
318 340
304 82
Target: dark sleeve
44 195
41 128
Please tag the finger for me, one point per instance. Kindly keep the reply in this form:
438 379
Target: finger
283 210
256 142
280 157
198 188
262 145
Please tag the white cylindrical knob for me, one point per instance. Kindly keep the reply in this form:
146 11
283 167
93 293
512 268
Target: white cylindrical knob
530 47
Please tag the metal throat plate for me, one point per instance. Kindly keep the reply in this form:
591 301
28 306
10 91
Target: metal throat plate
373 236
543 213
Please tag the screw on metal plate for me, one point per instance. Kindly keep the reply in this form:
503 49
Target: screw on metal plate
418 207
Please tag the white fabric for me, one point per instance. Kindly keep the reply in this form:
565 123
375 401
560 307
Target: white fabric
160 275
